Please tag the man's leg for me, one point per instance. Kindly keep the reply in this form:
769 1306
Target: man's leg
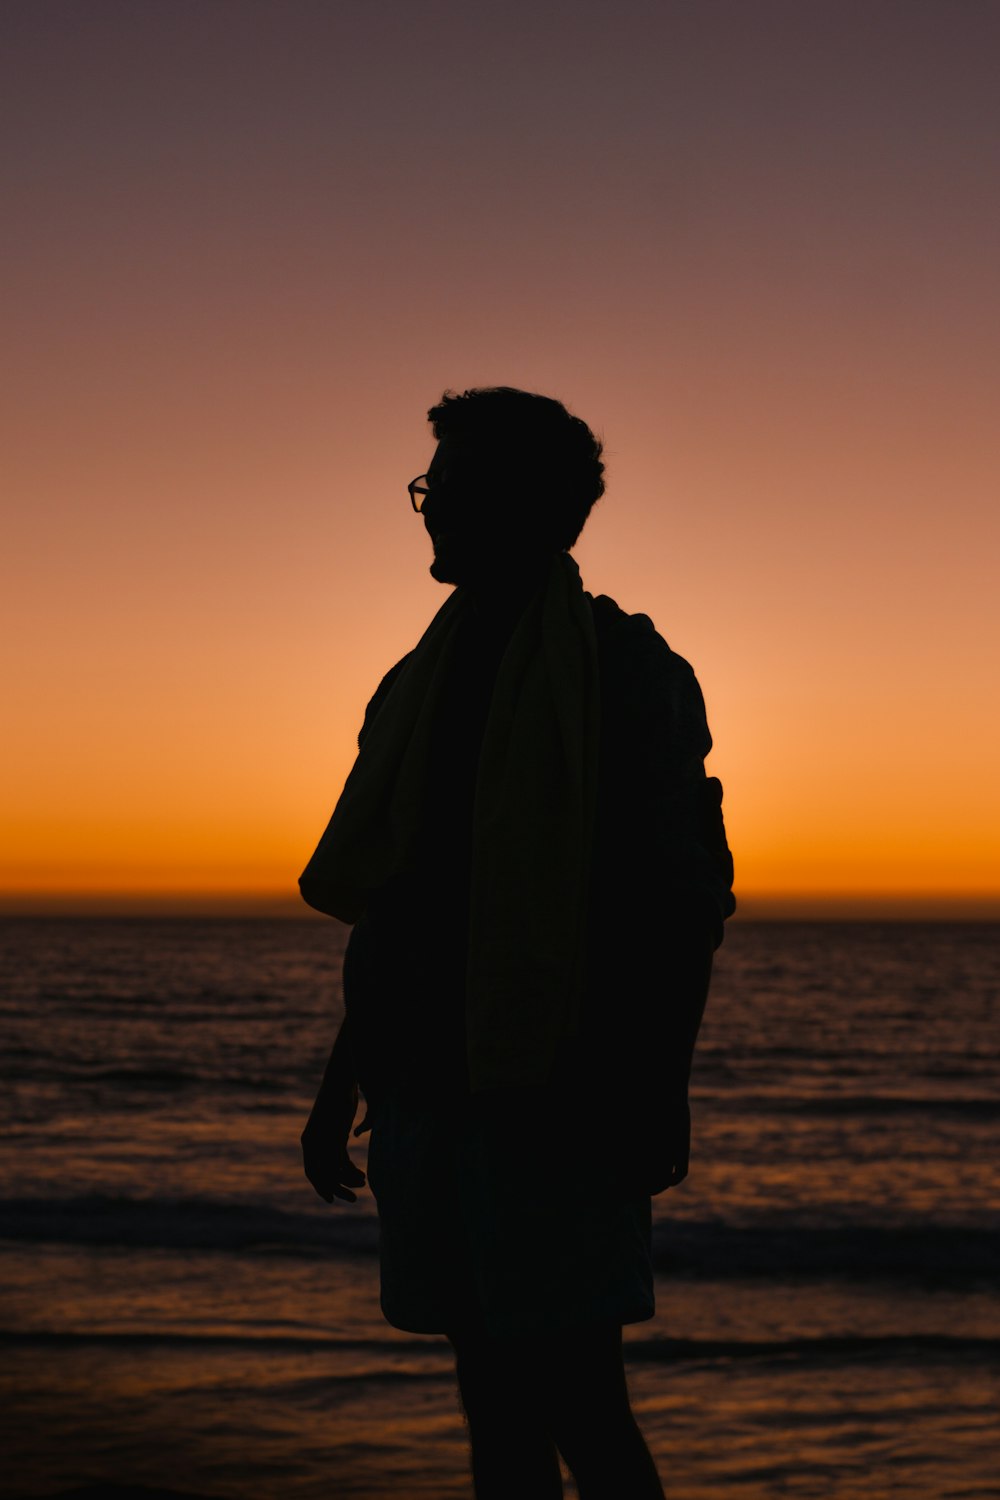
512 1454
526 1397
583 1395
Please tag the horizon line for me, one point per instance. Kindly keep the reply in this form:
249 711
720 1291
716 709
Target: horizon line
751 906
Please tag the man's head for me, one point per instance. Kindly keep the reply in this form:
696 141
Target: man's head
512 481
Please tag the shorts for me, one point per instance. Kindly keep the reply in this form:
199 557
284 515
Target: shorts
504 1217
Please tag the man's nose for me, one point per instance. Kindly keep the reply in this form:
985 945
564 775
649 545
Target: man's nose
438 508
430 509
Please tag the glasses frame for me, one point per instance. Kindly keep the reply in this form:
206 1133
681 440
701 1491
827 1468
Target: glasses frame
415 488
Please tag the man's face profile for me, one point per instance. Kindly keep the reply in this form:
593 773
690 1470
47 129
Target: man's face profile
462 512
475 517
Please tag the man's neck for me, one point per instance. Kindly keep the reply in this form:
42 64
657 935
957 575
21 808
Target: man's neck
501 598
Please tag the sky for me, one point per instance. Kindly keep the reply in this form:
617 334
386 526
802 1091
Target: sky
247 245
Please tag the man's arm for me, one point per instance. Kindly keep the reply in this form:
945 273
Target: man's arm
327 1132
325 1157
685 870
662 1130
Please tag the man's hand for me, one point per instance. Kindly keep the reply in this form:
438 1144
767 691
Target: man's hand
661 1148
675 1145
324 1142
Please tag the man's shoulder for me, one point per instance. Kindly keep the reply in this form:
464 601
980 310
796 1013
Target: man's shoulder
631 644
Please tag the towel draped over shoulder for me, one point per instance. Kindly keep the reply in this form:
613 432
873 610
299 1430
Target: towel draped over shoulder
533 822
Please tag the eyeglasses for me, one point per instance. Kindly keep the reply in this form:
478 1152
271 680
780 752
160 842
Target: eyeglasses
418 489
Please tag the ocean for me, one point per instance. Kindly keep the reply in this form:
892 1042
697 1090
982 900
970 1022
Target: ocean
181 1312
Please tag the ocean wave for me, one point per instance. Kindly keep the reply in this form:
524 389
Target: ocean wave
878 1104
183 1224
901 1347
779 1249
158 1079
938 1254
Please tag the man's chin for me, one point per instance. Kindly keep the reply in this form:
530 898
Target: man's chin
442 572
447 568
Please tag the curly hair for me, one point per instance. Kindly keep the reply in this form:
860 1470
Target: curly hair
555 457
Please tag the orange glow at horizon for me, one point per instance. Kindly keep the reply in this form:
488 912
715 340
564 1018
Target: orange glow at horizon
756 252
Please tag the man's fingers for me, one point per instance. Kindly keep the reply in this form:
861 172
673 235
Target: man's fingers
339 1185
331 1181
346 1171
328 1189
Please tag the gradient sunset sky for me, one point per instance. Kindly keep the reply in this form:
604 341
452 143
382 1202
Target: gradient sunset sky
755 245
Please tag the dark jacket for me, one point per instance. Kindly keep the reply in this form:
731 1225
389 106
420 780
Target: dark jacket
661 869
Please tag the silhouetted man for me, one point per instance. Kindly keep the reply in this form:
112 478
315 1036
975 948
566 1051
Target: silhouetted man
537 873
